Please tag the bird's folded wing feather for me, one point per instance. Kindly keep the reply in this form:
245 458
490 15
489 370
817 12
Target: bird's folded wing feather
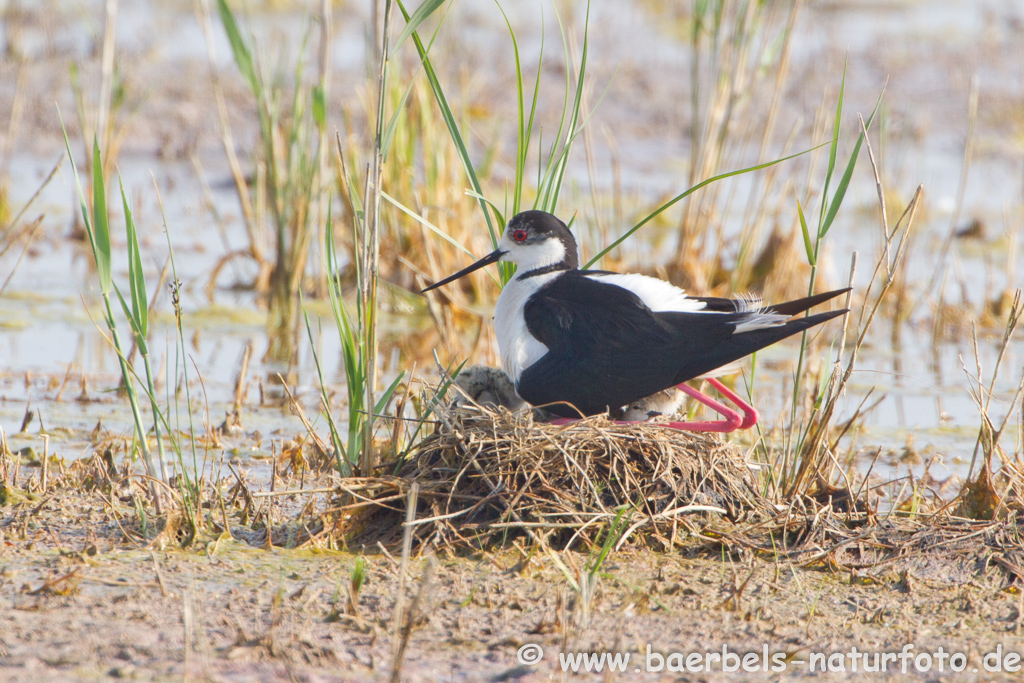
606 347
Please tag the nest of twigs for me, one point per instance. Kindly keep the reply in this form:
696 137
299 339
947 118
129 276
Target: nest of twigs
485 477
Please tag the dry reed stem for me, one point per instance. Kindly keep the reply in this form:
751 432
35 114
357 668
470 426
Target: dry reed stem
812 460
256 245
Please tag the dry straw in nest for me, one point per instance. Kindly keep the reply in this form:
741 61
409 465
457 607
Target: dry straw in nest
487 476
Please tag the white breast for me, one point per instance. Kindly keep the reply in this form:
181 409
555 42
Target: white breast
519 349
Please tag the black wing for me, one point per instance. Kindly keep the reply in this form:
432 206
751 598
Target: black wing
603 344
607 349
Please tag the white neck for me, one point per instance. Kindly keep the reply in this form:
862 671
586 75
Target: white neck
533 256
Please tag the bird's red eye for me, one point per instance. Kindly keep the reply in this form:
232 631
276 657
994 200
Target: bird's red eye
519 235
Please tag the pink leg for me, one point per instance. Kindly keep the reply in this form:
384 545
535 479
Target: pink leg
732 420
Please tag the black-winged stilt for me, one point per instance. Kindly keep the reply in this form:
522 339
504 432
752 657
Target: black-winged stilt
581 342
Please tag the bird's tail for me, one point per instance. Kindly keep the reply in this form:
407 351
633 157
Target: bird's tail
739 345
801 305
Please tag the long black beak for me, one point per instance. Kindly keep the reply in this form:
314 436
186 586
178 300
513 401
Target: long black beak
485 261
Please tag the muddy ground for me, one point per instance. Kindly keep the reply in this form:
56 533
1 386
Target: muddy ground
84 596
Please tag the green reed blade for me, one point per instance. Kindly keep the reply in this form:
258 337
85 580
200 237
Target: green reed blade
385 398
392 126
683 195
833 148
806 234
243 57
844 182
100 228
573 130
427 224
320 107
412 23
136 278
339 449
525 126
140 340
450 123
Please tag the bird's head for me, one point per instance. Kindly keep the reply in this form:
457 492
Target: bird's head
531 240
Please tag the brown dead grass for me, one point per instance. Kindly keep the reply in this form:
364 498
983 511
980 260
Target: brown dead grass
485 476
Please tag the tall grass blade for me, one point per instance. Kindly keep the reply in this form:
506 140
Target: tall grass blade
611 538
654 214
806 234
243 57
319 107
339 449
136 278
392 126
99 238
525 127
352 359
431 403
833 147
555 184
130 316
413 22
385 397
100 233
427 224
176 303
450 123
389 132
844 182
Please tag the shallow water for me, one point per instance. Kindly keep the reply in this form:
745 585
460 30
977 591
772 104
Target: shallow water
45 328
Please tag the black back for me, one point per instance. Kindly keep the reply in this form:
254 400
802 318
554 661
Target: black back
606 348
